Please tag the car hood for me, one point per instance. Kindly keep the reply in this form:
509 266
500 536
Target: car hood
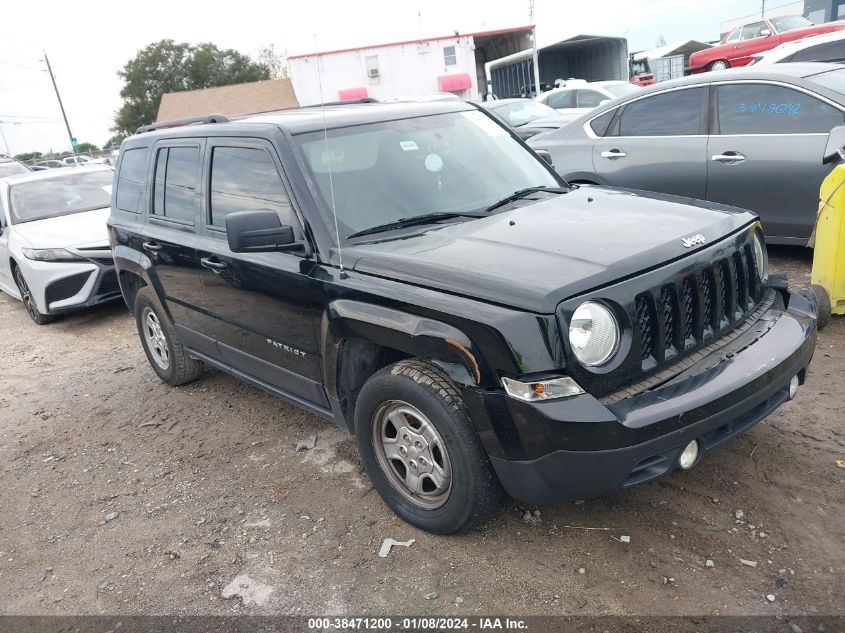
75 230
537 255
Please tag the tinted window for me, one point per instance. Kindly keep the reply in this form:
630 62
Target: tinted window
559 100
827 52
675 113
244 179
175 190
766 109
589 98
130 179
600 124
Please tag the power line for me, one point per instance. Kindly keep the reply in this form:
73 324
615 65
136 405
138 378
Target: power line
26 66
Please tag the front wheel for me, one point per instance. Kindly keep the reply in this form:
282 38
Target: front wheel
420 450
720 64
29 300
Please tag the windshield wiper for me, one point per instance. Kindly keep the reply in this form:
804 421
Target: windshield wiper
418 220
522 193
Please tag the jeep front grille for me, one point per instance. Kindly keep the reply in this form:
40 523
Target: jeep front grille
680 315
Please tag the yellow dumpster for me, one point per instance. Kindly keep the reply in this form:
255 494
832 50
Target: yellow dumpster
827 281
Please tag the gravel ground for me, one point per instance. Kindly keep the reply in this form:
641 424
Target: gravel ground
125 496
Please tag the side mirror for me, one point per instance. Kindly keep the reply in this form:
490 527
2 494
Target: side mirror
545 155
765 32
835 149
258 231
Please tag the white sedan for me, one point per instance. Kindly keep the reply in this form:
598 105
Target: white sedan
54 248
578 97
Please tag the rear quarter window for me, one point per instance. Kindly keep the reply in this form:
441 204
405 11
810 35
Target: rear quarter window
601 123
130 179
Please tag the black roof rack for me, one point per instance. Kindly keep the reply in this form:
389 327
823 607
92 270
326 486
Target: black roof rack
206 118
340 103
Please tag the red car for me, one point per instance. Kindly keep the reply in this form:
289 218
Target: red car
738 46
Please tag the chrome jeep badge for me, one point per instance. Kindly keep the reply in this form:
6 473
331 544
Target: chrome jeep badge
693 240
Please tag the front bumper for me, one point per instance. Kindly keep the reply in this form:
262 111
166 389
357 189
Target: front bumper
578 448
60 287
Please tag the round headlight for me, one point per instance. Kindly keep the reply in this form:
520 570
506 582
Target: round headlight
760 257
593 333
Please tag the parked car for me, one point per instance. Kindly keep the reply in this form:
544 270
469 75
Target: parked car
415 274
579 97
75 161
738 47
528 117
54 250
829 47
758 148
50 163
11 167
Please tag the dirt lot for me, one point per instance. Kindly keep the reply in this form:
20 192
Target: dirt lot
123 495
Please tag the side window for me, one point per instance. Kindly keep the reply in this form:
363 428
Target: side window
767 109
589 98
675 113
130 179
558 100
175 188
734 37
600 124
750 31
828 52
243 179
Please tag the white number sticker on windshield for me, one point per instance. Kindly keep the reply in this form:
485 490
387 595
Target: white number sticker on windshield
408 146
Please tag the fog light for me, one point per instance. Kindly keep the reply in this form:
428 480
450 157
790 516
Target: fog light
688 457
793 387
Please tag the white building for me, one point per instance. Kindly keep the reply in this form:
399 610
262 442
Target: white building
413 68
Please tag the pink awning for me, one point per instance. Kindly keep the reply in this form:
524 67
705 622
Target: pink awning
454 83
351 94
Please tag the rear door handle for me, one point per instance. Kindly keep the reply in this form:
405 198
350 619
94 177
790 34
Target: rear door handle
151 246
728 157
207 262
613 153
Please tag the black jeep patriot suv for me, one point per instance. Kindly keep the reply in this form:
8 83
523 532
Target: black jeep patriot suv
416 274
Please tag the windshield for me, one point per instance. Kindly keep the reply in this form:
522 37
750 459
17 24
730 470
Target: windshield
832 79
521 112
622 89
71 192
789 23
446 163
12 168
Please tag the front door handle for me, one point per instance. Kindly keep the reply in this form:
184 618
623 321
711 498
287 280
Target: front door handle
151 246
613 153
207 262
728 158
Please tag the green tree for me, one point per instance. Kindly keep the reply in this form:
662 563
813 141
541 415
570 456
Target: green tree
167 66
28 156
86 148
276 62
114 141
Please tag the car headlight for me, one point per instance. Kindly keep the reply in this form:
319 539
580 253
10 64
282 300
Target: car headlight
761 258
561 387
50 255
593 333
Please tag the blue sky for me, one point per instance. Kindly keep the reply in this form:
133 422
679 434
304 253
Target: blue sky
87 42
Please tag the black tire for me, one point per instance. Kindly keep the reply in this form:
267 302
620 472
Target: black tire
474 491
179 368
719 64
818 296
29 301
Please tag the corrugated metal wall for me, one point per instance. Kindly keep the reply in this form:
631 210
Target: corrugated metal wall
509 81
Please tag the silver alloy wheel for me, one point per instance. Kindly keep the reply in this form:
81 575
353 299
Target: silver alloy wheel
412 454
155 339
26 295
719 65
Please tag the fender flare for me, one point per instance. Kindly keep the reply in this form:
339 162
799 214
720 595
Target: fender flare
137 263
441 343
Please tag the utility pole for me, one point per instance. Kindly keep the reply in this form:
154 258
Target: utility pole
763 9
534 56
5 142
61 106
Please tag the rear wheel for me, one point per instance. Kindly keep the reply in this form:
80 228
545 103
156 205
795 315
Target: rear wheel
29 301
421 451
720 64
163 348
